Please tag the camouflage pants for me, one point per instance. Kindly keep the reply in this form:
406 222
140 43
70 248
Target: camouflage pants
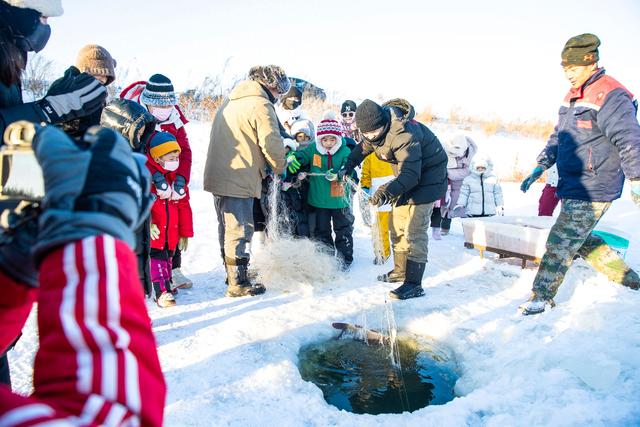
571 236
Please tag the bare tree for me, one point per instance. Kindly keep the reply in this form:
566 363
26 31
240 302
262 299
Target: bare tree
37 76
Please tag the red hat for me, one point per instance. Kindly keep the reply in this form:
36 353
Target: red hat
329 126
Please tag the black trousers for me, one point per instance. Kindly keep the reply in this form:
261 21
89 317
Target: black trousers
5 377
342 222
436 218
143 245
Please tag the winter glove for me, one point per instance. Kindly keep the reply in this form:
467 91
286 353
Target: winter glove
183 244
342 172
16 242
500 210
162 188
293 163
381 197
101 188
179 188
154 232
72 96
635 191
535 174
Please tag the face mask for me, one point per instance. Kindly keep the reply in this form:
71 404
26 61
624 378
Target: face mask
171 165
36 41
162 114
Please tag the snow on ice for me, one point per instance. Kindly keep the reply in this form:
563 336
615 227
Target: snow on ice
233 362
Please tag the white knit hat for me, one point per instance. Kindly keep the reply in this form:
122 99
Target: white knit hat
45 7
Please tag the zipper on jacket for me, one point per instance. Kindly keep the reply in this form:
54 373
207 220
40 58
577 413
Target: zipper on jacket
590 160
166 227
482 190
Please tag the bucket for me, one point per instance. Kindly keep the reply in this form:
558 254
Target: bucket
616 239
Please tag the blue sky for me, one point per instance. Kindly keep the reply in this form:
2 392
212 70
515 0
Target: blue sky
489 57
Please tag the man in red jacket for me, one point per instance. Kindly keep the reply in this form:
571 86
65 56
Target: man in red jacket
596 145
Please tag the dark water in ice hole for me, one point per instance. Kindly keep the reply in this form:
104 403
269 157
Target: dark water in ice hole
360 378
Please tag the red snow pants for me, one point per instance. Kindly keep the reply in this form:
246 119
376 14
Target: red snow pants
548 201
97 363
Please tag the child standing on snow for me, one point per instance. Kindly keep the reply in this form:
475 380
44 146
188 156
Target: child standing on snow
171 219
460 151
376 173
480 194
328 196
159 97
548 199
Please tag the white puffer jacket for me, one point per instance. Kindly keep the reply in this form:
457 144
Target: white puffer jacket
481 193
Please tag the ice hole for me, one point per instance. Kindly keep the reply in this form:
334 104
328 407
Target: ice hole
357 373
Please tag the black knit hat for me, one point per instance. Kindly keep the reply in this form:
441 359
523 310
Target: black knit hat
348 105
158 92
581 50
370 116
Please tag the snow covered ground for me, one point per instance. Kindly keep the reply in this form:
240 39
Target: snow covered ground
232 362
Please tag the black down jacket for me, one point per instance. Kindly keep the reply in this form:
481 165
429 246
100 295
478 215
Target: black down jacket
418 160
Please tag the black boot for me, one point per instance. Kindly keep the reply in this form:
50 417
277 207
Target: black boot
399 269
238 280
412 286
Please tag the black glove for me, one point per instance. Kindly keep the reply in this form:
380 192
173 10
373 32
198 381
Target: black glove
72 96
102 189
342 172
16 242
380 197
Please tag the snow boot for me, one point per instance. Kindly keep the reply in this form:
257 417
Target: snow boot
536 305
238 280
180 280
166 300
436 234
444 231
412 286
399 268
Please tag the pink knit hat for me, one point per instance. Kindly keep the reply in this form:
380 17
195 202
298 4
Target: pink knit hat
329 126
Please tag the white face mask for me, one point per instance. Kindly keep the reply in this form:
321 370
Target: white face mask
162 114
171 165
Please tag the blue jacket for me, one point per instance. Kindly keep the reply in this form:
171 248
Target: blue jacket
596 142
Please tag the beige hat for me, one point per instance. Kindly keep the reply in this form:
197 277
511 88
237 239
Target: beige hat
97 61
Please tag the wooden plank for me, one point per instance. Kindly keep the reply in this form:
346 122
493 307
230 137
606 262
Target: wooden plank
502 253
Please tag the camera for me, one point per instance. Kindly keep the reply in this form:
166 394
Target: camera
20 174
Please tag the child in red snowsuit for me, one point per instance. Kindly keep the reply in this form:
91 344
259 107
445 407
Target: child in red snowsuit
171 219
158 96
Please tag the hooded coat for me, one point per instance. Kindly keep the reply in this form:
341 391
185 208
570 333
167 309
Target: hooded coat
481 193
245 139
418 160
459 160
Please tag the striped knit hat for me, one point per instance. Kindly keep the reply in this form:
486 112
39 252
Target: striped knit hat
162 143
159 92
329 126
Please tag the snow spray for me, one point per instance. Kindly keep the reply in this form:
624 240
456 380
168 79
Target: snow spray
394 351
288 263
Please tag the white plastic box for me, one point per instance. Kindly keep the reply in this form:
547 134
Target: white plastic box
523 237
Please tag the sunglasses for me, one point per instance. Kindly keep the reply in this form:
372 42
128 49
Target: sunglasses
348 114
